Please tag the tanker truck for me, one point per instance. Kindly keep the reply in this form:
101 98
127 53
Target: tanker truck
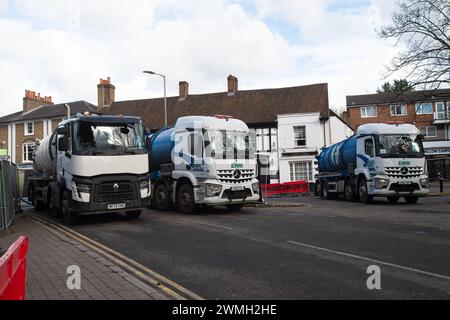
380 160
201 162
92 164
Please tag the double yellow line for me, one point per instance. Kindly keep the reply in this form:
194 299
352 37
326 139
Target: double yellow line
141 272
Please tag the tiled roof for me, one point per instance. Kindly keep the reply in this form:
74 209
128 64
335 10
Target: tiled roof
49 112
252 106
390 98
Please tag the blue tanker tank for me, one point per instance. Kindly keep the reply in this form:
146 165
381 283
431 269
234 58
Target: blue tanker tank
161 146
337 157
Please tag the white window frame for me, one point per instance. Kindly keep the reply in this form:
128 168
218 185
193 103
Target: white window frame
445 112
426 130
419 108
293 174
26 152
364 112
25 128
299 138
393 108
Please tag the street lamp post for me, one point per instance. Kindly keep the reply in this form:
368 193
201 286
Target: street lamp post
165 93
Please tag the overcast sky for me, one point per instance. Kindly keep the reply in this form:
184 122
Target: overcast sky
62 48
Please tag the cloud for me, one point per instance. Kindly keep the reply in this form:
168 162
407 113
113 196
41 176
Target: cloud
62 49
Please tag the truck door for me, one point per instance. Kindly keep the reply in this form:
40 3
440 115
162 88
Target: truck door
366 154
195 146
63 160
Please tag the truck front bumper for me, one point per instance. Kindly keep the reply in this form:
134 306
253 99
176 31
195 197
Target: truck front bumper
398 187
90 208
228 194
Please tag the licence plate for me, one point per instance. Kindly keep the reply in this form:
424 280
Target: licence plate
237 188
405 182
116 206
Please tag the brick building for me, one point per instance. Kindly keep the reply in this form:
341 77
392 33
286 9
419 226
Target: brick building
427 110
37 119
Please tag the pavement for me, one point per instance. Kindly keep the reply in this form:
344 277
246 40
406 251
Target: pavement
50 254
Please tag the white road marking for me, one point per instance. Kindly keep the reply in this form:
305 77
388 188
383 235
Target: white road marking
207 224
393 265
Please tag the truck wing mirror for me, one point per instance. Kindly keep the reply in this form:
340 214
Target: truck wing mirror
62 144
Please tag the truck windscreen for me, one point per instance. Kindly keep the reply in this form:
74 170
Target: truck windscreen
108 138
229 145
400 146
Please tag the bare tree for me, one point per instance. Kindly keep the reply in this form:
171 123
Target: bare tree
423 25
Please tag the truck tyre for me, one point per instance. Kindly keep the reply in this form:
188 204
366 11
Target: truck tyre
235 207
349 191
162 197
38 205
186 199
134 214
363 191
70 217
411 200
393 200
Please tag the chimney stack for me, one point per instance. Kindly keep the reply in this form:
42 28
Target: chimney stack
106 93
232 85
184 90
32 100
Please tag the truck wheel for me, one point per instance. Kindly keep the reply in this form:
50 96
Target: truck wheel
235 207
349 191
38 205
69 216
393 200
162 197
411 200
186 199
363 192
134 214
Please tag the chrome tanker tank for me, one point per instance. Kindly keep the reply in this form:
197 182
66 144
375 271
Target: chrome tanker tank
45 154
337 157
160 149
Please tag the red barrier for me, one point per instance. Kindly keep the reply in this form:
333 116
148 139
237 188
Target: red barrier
285 188
13 269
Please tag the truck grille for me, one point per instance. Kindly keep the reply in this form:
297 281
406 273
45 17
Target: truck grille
115 191
228 176
401 173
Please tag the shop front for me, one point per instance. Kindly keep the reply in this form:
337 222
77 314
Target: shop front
438 159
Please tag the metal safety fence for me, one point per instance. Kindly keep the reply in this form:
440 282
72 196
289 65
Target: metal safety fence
297 187
9 193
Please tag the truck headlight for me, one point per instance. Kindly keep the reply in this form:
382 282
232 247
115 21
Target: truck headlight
255 187
213 190
424 182
144 184
81 187
381 183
